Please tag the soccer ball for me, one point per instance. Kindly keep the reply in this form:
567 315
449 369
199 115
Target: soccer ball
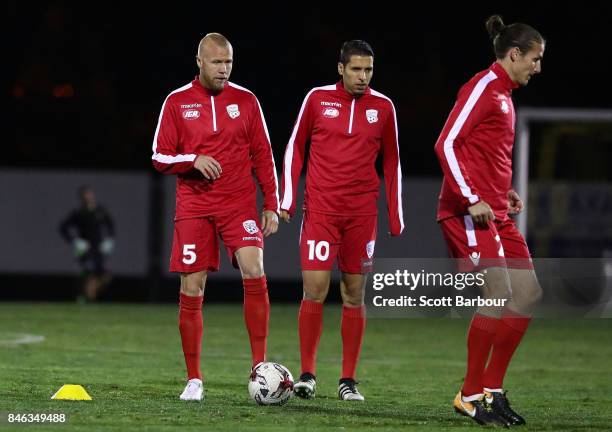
270 384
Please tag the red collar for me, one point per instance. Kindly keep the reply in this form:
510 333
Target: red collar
341 89
503 76
198 85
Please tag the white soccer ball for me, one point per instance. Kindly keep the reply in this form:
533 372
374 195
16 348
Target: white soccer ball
270 384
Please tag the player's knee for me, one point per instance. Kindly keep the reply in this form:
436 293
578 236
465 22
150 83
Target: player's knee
192 290
315 292
497 284
193 286
536 293
354 301
250 261
317 297
352 295
498 291
503 293
252 270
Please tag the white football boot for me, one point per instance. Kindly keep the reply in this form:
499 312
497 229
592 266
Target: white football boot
347 390
194 390
306 387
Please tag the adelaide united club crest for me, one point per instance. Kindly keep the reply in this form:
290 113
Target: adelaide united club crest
372 115
233 111
250 226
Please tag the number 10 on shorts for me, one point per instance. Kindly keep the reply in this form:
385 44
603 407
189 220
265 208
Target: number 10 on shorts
318 249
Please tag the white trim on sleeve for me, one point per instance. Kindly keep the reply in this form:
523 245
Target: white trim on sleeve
449 150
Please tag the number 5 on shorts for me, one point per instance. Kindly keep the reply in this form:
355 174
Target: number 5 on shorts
189 255
320 249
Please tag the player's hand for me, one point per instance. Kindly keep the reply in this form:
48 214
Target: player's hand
80 246
269 222
481 213
208 166
285 216
515 203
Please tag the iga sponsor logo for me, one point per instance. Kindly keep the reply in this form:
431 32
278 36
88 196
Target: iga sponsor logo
250 226
372 115
233 111
191 114
331 112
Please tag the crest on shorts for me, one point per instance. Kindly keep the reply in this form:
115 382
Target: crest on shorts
370 248
475 257
233 111
372 115
250 226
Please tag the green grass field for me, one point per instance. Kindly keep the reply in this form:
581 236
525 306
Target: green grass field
128 357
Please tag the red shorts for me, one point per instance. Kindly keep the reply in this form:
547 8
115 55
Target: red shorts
350 238
499 244
195 246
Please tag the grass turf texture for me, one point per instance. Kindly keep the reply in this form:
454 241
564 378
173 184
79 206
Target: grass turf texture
128 357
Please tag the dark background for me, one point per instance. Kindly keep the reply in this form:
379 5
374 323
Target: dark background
84 82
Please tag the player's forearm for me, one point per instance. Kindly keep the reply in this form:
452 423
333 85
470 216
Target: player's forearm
269 189
271 201
393 189
170 168
456 174
290 178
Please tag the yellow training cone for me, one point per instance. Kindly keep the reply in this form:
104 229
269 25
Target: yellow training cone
71 392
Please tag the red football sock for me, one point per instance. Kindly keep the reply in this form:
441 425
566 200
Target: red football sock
479 342
352 329
256 316
191 327
509 333
310 326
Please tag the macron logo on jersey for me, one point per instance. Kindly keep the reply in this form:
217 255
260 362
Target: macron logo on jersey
190 111
331 109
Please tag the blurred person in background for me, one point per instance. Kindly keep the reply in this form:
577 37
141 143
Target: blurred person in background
90 231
